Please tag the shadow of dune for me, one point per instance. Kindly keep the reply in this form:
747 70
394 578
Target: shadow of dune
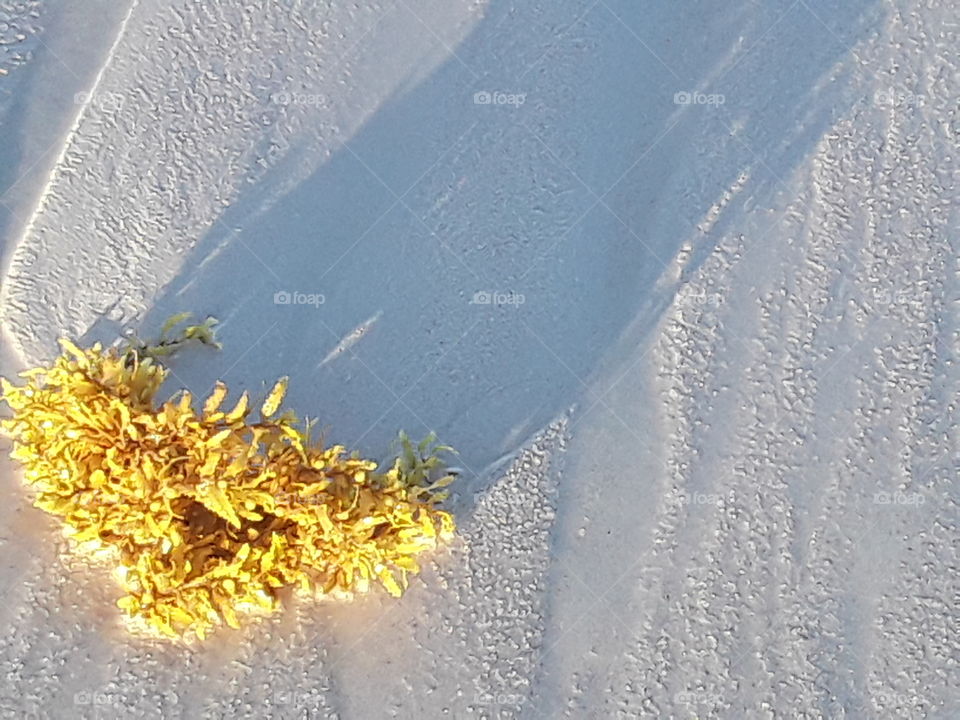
575 202
12 115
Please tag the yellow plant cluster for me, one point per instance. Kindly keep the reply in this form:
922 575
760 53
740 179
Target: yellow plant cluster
209 512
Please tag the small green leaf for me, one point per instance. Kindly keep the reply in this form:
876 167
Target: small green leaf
425 444
171 322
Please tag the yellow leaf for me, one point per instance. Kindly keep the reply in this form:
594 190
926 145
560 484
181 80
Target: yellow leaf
237 465
90 533
239 410
124 413
210 465
325 522
364 567
229 615
390 582
128 603
180 616
77 353
216 398
6 388
251 515
272 403
447 525
408 564
410 548
218 439
216 501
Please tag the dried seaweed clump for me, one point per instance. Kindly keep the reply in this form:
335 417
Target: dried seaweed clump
210 513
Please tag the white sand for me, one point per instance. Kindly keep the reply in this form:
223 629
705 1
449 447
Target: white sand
707 416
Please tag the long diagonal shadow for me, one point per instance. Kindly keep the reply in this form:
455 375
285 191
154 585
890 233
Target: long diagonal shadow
443 213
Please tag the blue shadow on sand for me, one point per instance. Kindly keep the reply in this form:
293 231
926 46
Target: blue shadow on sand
574 202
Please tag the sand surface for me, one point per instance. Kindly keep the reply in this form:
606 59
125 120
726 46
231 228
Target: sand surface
679 280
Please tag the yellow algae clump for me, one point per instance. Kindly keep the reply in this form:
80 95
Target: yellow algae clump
210 513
